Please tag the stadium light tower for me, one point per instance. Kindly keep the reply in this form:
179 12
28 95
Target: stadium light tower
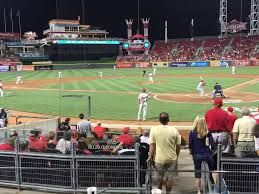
129 23
254 18
223 17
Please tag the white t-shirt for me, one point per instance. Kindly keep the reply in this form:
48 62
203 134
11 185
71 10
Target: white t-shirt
144 139
143 97
256 144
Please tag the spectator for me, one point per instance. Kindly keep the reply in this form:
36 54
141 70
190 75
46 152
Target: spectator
231 118
65 126
64 144
3 117
8 145
243 134
145 137
99 130
164 150
74 136
199 141
256 138
82 147
24 146
217 122
124 150
35 143
126 138
52 142
84 126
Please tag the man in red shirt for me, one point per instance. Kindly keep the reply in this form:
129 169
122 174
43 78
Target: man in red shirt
125 138
217 122
99 130
231 118
35 141
8 145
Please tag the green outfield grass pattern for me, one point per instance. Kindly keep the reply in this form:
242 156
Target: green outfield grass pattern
120 106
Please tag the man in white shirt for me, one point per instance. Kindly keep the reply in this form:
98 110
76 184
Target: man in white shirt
60 75
101 75
142 100
1 89
18 79
233 70
84 126
201 87
150 78
243 135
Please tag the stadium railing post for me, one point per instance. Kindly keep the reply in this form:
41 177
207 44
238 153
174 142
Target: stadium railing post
17 164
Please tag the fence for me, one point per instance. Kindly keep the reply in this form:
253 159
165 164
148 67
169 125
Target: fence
239 175
70 173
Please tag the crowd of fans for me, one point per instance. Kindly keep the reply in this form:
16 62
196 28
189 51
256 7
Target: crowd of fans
239 137
8 59
133 58
236 48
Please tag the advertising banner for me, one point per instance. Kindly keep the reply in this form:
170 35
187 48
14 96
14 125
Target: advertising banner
8 64
4 68
255 62
143 64
178 64
215 63
240 63
225 63
199 64
124 65
160 64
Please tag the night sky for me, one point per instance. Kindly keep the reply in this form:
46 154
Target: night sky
110 15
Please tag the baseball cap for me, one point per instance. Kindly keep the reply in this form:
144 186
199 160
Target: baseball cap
125 130
230 109
218 101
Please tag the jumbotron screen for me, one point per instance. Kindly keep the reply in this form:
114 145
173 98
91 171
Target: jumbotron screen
112 42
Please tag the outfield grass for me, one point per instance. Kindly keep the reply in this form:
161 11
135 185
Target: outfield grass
119 106
252 88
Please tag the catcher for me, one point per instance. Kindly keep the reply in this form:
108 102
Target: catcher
201 86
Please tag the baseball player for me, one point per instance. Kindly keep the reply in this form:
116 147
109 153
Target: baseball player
144 73
154 71
150 78
201 87
233 70
60 74
101 75
143 97
1 89
18 79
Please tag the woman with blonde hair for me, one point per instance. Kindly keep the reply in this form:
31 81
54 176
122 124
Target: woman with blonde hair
200 144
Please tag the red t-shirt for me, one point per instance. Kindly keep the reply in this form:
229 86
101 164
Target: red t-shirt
231 121
255 116
99 131
126 139
37 144
6 147
217 119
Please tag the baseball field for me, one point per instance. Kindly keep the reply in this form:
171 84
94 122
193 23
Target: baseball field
115 96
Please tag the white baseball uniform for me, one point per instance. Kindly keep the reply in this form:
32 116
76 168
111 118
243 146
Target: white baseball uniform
101 75
1 90
18 79
142 99
200 88
114 67
154 71
150 78
233 70
60 74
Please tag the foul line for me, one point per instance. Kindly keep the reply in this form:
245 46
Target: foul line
245 83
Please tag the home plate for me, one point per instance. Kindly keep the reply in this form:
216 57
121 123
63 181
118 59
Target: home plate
232 101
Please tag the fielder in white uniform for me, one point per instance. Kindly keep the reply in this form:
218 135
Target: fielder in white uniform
150 78
60 74
18 79
201 87
233 70
101 75
154 71
1 89
142 100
